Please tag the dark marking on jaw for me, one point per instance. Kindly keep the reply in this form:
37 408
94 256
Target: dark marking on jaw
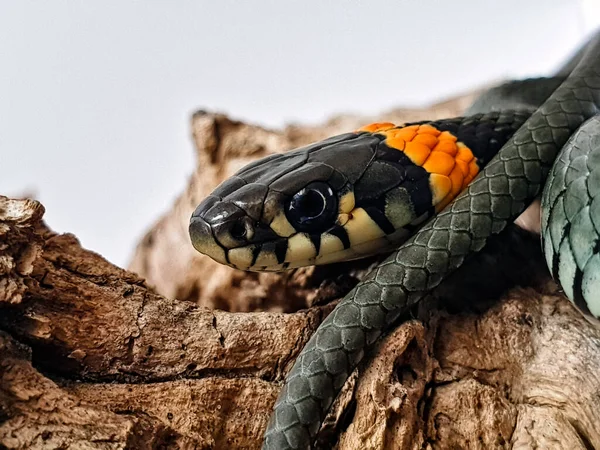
341 234
263 234
255 253
375 208
225 249
316 241
380 219
281 247
277 247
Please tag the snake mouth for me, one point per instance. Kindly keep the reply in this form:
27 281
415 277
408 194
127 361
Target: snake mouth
224 231
357 238
203 240
228 235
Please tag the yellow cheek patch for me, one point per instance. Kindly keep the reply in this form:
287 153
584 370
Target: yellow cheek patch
342 219
209 247
300 248
330 244
347 202
241 257
281 225
362 228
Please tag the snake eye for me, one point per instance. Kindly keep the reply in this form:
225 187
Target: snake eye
238 230
313 207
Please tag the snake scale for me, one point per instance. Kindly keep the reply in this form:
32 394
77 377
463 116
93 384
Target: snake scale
437 182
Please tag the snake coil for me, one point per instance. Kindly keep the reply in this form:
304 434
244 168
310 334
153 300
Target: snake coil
364 192
496 197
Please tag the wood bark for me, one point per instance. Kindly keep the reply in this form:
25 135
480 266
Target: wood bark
182 353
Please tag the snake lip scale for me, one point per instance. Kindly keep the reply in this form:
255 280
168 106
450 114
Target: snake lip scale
433 192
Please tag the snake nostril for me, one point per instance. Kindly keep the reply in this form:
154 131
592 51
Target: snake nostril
238 229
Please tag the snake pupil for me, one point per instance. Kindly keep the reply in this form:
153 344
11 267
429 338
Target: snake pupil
312 208
238 230
311 203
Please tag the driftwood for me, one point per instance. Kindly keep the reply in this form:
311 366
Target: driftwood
93 357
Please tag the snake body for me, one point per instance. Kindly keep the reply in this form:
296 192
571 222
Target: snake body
372 188
499 193
571 218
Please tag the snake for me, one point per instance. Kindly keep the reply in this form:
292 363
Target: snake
430 194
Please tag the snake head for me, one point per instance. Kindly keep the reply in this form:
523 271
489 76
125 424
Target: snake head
342 198
273 213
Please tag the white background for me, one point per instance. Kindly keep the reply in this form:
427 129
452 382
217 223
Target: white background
95 97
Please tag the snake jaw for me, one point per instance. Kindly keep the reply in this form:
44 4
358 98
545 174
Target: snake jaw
203 240
232 231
